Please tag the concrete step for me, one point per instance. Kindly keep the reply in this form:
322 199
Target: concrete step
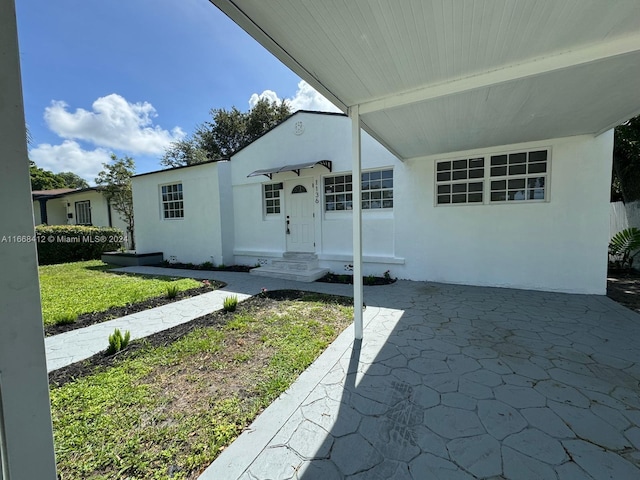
296 275
299 256
294 265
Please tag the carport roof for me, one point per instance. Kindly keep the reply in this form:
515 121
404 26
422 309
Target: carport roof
431 77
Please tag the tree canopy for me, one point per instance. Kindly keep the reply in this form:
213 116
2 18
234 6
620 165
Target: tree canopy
42 179
115 182
226 133
626 161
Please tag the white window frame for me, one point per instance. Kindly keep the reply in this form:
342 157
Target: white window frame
173 199
460 179
276 198
377 191
516 176
83 212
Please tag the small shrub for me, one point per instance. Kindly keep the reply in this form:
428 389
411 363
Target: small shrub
207 266
387 276
222 266
66 318
72 243
370 280
623 248
117 342
172 291
230 303
190 266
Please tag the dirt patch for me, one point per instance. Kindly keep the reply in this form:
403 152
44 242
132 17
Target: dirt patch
87 319
624 288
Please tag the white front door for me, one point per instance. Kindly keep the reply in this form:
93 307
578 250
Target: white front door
300 222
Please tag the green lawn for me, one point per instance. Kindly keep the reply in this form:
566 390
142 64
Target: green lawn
166 412
84 287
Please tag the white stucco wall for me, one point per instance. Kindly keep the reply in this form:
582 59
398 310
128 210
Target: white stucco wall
558 245
326 137
196 238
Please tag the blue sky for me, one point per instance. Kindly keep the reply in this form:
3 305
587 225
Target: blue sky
131 76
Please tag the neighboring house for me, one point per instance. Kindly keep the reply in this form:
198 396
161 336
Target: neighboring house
69 206
509 216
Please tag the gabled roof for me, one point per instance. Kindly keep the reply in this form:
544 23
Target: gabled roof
313 112
434 76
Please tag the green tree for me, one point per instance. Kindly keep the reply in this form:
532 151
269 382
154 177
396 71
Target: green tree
44 179
184 152
626 160
71 180
226 133
115 182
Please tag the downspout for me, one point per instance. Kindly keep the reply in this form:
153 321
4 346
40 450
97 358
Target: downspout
43 211
358 294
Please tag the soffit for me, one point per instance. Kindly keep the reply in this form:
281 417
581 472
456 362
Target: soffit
437 76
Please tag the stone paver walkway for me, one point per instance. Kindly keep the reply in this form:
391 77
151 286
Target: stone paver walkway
455 382
451 382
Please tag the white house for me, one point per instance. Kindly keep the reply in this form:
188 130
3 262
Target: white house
69 206
434 82
186 213
511 216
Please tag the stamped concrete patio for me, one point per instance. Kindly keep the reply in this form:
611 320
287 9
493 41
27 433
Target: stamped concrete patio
455 382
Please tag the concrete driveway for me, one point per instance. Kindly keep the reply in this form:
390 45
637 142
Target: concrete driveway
456 382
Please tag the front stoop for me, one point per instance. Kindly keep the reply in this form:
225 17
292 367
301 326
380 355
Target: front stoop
301 267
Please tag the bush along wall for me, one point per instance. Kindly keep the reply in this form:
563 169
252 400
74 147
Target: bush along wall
72 243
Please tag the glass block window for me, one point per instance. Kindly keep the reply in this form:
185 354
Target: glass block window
519 176
377 189
172 201
460 181
272 198
337 193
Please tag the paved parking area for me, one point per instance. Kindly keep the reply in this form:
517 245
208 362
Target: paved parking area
456 382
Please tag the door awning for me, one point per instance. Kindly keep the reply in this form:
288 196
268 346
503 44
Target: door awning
290 168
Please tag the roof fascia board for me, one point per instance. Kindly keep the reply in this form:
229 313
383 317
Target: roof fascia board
235 13
535 67
629 116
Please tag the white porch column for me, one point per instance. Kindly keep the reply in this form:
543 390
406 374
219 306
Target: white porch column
358 294
26 439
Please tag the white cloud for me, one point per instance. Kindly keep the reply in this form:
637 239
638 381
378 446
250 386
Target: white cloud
113 122
70 157
306 98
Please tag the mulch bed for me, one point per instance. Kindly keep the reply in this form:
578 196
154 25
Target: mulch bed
191 266
87 319
166 337
624 288
348 279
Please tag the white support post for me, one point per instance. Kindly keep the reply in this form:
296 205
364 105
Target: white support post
358 294
26 438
